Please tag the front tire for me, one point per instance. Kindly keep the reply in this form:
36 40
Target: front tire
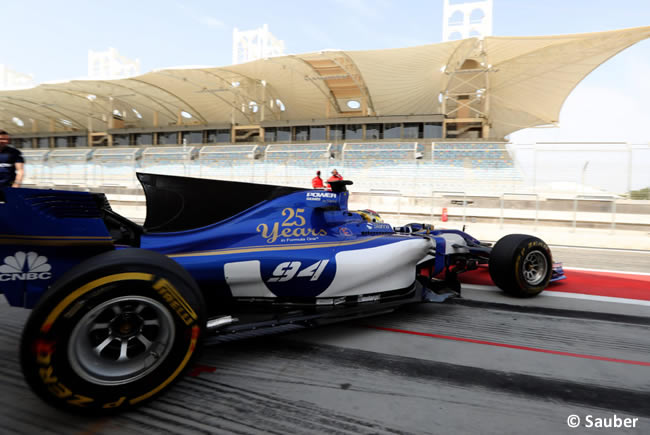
521 265
114 332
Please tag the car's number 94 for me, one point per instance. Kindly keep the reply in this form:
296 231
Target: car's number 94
289 269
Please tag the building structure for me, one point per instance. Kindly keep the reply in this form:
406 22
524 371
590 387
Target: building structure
466 19
469 89
10 79
110 65
250 45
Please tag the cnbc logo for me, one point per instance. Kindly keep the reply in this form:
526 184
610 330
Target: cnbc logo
25 267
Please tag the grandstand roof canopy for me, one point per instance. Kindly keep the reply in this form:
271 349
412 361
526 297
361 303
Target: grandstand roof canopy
523 83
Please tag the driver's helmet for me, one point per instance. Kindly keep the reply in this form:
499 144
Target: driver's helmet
370 215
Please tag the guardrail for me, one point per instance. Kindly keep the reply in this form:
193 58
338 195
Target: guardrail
92 168
527 208
519 195
387 193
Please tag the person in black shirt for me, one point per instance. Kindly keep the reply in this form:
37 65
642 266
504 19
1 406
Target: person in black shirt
12 165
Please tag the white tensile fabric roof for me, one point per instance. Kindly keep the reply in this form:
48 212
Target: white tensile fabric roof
529 79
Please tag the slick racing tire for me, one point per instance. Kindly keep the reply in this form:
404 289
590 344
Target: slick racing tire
521 265
113 332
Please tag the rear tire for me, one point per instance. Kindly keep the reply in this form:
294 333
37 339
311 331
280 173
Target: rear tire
114 332
521 265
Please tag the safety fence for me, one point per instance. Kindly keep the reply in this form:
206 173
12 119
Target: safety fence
232 162
583 167
509 208
116 166
295 163
411 167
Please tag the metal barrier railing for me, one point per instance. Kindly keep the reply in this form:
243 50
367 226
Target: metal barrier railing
518 195
448 194
116 166
69 166
171 160
38 170
570 211
393 193
597 198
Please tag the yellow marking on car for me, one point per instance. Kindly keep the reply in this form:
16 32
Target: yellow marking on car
175 300
292 247
47 375
68 242
53 237
54 314
181 366
79 400
115 404
60 390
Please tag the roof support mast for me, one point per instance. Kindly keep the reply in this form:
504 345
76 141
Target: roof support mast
466 92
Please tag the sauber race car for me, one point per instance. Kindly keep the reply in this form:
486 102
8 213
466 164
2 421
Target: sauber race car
119 309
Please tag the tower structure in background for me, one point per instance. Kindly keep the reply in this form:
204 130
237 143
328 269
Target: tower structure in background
10 79
465 96
106 65
466 19
249 45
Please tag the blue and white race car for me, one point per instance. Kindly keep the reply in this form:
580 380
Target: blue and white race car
120 309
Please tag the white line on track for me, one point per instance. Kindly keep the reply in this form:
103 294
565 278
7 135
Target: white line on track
552 293
597 298
596 248
606 271
590 248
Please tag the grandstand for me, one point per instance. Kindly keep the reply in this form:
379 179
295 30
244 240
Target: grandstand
378 165
372 165
116 166
416 119
168 160
295 164
69 167
38 173
231 162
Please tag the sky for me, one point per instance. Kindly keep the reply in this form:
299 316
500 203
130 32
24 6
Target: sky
51 41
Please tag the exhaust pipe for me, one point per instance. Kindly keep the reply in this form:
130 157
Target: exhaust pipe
218 322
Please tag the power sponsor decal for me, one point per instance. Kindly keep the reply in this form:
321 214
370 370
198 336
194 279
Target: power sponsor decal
293 228
321 196
25 267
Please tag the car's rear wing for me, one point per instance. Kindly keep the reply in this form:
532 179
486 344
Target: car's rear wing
43 233
181 203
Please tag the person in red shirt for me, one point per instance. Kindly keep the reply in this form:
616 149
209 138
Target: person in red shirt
335 177
317 181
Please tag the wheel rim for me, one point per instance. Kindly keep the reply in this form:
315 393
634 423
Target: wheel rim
121 340
535 268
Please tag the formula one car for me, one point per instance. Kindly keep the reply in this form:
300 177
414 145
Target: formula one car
120 309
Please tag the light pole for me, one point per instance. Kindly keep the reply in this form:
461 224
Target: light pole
584 170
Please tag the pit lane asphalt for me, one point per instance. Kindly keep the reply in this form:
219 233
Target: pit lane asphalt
486 364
